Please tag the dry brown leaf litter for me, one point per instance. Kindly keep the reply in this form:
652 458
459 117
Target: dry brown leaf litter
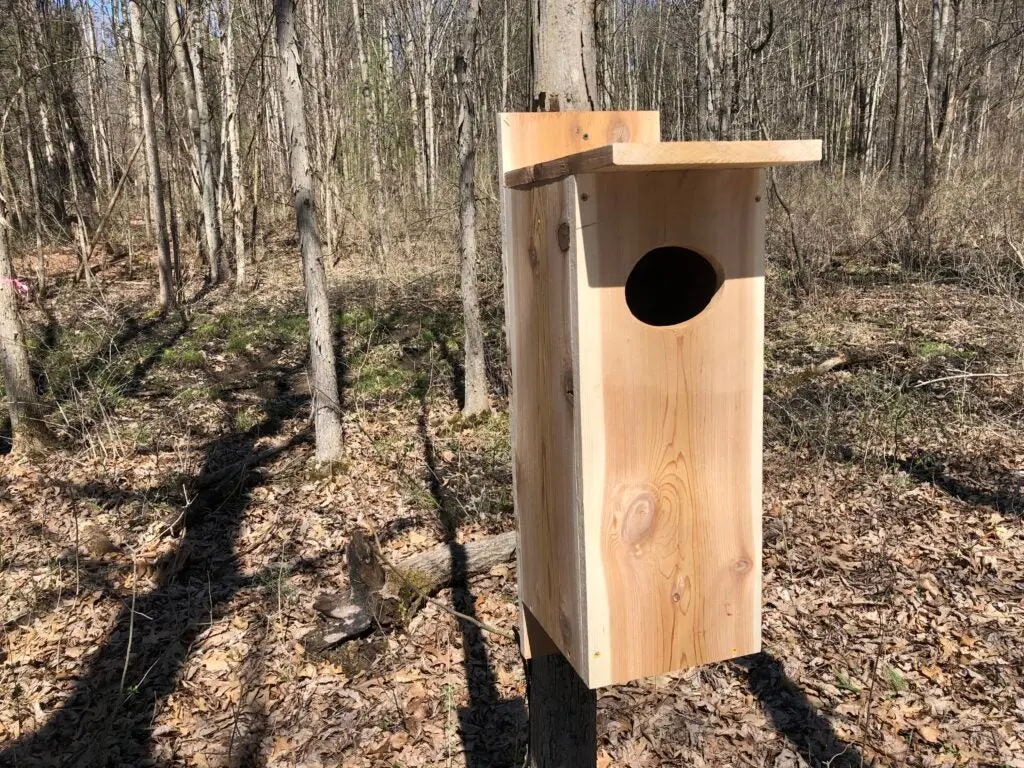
894 573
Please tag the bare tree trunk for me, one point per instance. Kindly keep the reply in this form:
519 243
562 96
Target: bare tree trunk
563 711
475 399
156 192
211 218
29 430
322 373
429 140
896 151
183 64
564 56
135 124
29 140
416 119
377 244
713 41
934 92
193 86
92 92
234 145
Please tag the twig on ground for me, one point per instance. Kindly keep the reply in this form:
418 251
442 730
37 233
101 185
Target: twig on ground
131 623
969 376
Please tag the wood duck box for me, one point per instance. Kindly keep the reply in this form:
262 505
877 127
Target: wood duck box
634 280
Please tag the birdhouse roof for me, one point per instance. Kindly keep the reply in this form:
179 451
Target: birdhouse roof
667 156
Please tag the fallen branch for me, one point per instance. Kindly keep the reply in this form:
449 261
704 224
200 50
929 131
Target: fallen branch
968 376
386 594
427 598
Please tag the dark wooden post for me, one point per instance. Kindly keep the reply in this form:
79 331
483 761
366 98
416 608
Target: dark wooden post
562 709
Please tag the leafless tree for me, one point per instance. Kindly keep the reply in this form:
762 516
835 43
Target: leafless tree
27 426
475 400
322 374
156 191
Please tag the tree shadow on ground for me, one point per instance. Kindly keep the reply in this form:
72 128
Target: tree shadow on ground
108 718
795 718
492 729
1002 494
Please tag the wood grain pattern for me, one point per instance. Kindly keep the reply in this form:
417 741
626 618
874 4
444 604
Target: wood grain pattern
539 276
667 156
670 427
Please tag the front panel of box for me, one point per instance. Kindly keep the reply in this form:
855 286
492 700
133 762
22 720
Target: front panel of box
670 306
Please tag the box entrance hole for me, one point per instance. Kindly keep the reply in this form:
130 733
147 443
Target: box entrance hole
670 285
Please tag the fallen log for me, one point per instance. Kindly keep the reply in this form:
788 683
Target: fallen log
387 594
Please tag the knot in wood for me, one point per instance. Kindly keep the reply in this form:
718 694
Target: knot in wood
638 520
563 236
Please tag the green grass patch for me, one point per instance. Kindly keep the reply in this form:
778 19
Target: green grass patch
930 349
358 320
190 395
382 371
895 680
843 681
183 357
247 418
252 334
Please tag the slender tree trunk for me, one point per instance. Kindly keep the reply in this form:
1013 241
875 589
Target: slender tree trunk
377 237
896 151
156 192
28 428
416 119
29 140
563 711
475 400
208 179
322 373
420 164
234 146
172 175
183 64
429 138
135 124
192 80
934 109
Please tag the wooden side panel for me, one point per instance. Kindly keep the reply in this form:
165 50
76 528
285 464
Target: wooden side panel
670 427
542 310
540 326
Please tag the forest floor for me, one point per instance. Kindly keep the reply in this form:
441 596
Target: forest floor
153 603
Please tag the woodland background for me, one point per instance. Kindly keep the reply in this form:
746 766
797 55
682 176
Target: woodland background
160 551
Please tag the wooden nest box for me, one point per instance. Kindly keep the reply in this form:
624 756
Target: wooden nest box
634 279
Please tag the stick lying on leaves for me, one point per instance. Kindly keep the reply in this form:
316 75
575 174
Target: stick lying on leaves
386 594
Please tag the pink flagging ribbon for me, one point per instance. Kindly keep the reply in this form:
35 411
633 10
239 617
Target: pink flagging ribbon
19 286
